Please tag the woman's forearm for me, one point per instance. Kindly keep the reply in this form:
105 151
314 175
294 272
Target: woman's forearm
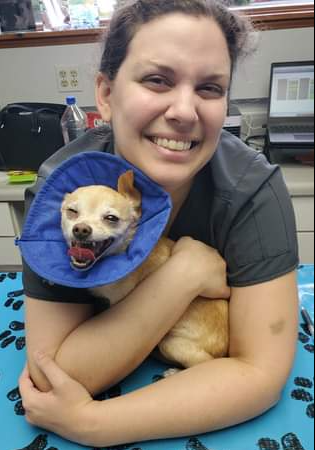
208 397
106 348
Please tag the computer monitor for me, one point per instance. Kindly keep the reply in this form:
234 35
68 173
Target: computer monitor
292 90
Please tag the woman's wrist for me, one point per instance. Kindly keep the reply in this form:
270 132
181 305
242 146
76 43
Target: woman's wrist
88 425
183 268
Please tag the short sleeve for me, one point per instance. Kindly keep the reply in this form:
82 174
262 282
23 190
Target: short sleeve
40 289
262 242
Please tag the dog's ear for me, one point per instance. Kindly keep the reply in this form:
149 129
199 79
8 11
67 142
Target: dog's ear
127 189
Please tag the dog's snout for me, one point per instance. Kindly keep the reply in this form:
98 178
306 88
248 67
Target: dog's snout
82 231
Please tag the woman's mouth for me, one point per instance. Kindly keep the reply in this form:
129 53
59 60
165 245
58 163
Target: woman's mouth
174 145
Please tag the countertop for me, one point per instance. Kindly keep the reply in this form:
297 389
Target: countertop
299 179
12 192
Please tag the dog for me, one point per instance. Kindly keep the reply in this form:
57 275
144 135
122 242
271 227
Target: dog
98 222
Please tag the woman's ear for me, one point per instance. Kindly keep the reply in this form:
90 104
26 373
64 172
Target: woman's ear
103 92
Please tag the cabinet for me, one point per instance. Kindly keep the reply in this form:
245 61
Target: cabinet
10 258
300 181
11 221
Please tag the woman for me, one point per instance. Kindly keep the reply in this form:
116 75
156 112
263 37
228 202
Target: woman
163 86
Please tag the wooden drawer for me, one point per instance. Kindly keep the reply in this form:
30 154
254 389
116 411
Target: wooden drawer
9 254
304 212
6 224
306 243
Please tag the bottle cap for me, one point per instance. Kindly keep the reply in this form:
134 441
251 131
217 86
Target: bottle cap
71 100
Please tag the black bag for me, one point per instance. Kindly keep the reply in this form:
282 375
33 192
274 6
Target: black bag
29 134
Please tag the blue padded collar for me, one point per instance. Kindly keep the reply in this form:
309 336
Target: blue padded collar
42 243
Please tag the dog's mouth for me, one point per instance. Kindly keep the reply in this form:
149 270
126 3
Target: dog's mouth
85 253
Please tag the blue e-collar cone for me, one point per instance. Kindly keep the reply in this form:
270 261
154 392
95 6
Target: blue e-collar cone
43 246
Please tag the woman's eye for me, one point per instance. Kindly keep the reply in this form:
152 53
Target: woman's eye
211 91
111 218
157 83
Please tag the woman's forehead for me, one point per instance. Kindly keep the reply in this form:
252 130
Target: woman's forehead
177 40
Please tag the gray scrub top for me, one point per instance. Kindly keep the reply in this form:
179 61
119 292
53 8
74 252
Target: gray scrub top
238 204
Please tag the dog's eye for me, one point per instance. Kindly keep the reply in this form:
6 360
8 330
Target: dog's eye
111 218
72 213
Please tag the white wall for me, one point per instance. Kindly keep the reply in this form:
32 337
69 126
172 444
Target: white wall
28 74
252 78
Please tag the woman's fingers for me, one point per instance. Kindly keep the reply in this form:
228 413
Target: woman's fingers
56 376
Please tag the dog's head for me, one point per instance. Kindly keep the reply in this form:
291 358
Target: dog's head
98 221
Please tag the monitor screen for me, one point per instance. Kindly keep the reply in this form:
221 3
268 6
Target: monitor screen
292 91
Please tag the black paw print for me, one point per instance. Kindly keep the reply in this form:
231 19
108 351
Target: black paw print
305 396
15 396
12 300
305 338
195 444
113 392
289 442
39 443
11 275
7 338
15 304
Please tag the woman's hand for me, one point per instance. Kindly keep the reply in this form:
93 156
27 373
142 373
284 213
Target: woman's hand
65 410
204 264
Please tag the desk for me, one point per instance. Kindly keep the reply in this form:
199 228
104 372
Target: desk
288 426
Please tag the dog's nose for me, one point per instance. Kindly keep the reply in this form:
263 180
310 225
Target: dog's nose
82 231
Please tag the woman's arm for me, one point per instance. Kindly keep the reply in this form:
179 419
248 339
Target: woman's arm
47 325
211 396
102 350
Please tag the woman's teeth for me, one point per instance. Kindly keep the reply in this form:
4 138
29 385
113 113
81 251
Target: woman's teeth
179 146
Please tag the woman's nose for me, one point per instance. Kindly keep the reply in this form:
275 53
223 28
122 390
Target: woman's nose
182 108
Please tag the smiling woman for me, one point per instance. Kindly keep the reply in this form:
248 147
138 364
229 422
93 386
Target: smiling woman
163 87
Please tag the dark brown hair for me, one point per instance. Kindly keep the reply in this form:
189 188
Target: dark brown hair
128 19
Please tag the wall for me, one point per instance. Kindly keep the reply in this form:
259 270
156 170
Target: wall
29 74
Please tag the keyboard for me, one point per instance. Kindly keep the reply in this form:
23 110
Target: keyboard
293 129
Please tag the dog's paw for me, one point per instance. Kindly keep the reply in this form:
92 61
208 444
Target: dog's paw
171 372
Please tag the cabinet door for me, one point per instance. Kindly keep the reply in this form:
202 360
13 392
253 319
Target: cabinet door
306 244
6 224
304 212
10 258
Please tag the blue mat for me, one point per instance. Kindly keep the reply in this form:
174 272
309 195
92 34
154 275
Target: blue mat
289 426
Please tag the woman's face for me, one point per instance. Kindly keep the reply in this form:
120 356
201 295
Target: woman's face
168 103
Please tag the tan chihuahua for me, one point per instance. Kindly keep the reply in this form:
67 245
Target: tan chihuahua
97 222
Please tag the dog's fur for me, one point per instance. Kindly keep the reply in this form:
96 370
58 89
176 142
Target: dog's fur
110 216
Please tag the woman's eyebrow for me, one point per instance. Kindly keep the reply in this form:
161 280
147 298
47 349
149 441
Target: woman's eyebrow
156 66
217 77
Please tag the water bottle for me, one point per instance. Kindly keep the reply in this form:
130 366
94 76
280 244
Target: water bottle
73 121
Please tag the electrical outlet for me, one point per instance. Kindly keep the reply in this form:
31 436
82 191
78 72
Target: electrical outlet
68 78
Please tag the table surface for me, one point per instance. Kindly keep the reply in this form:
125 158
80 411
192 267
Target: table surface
288 426
299 179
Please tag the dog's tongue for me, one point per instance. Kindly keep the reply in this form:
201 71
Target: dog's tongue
81 254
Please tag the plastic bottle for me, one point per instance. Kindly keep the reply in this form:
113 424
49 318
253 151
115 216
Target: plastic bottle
73 121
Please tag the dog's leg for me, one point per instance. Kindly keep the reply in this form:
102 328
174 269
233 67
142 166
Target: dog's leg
182 351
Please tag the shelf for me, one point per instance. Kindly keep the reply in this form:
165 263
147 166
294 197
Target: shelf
264 18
